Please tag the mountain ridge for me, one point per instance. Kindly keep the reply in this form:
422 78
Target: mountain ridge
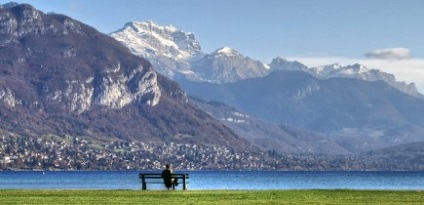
222 71
356 71
62 77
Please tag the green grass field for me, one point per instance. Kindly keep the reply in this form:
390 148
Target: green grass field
209 197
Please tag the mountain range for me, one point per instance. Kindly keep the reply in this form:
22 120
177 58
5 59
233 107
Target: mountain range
177 54
61 77
357 108
359 115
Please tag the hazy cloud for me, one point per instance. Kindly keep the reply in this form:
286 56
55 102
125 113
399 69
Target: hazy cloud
389 53
74 5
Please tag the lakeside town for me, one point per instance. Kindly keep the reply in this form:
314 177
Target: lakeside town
72 153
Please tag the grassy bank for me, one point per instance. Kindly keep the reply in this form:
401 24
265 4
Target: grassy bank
209 197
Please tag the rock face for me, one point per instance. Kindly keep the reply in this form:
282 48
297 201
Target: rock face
170 50
59 76
47 50
227 65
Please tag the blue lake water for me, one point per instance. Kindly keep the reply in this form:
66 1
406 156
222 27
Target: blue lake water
212 180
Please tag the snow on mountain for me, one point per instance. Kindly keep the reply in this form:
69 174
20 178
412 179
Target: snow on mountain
168 48
337 70
363 73
148 38
227 51
283 64
176 54
227 65
356 71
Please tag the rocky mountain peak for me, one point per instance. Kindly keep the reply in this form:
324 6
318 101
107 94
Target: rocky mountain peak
8 5
283 64
339 70
20 20
227 65
226 51
360 68
168 49
361 72
151 40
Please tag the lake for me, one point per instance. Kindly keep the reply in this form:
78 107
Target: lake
213 180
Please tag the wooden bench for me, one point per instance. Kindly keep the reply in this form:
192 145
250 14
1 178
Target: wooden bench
152 178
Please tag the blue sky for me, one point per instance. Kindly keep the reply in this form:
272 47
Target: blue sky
383 34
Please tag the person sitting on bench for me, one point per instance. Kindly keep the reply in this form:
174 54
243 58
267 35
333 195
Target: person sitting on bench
168 180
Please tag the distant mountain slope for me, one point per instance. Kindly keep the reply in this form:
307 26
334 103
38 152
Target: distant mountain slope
361 115
403 157
271 136
59 76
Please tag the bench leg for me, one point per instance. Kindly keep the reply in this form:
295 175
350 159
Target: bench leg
184 182
143 183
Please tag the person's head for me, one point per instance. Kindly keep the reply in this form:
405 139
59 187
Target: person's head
167 166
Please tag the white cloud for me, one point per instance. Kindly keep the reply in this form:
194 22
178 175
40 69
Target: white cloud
389 53
408 70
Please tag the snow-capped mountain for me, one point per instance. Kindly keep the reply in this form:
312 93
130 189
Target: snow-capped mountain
227 65
336 70
283 64
177 54
169 49
150 39
363 73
